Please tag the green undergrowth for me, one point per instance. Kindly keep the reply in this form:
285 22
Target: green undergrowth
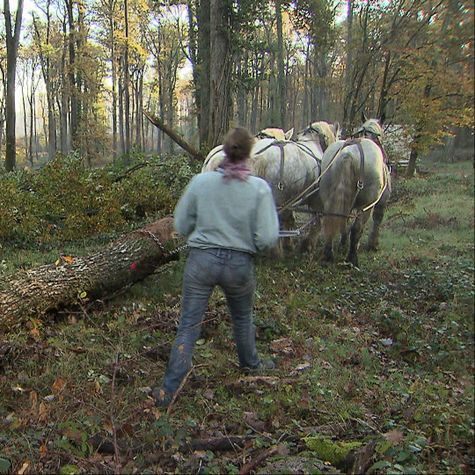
380 355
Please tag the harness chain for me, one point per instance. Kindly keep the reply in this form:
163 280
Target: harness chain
157 241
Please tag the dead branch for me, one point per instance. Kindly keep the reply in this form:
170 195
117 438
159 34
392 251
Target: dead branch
174 136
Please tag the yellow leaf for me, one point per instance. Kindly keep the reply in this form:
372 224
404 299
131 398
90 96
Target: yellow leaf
57 262
83 294
58 385
43 450
68 259
42 412
24 468
33 400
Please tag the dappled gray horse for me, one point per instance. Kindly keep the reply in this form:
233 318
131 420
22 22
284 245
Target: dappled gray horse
355 184
292 169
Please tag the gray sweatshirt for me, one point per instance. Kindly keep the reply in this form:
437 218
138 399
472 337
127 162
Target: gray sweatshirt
230 214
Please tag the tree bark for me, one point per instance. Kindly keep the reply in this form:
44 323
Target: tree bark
124 262
126 84
281 96
47 71
203 68
220 72
12 42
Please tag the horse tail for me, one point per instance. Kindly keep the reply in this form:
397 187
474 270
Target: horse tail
338 195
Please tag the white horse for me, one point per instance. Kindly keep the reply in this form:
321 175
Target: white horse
292 169
266 136
354 179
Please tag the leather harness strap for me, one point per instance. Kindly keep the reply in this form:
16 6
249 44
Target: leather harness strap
281 144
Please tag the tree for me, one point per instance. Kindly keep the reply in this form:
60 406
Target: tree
436 88
123 262
12 40
46 47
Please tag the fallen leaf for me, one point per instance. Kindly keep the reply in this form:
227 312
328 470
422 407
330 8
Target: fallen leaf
68 259
23 468
42 412
394 436
58 385
34 400
43 450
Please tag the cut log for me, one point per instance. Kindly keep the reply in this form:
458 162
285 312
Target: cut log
131 258
175 137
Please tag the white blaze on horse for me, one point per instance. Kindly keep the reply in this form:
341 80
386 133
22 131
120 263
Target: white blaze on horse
266 136
355 184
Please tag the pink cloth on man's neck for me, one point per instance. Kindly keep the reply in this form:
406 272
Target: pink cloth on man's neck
237 170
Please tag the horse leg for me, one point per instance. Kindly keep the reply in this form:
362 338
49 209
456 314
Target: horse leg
309 243
373 239
355 236
288 223
331 225
343 246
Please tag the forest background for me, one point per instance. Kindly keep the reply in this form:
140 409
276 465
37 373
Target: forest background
375 365
78 75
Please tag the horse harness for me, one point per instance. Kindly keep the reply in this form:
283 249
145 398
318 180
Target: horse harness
281 144
376 138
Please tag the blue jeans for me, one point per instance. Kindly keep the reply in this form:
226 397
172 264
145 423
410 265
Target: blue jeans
233 271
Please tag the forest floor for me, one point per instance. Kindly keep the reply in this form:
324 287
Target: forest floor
379 360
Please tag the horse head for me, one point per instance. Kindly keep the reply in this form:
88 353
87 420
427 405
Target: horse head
321 131
372 128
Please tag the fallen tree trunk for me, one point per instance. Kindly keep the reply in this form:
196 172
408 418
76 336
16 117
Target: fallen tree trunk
174 136
131 258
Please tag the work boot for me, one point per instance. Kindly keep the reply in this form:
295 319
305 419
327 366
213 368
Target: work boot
162 398
263 367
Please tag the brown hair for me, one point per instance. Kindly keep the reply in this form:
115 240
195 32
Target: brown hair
238 144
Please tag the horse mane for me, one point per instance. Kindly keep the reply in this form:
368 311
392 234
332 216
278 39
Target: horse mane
271 133
324 130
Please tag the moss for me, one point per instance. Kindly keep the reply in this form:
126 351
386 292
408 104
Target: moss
330 451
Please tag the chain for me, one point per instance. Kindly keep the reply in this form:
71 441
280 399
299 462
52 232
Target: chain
157 241
285 233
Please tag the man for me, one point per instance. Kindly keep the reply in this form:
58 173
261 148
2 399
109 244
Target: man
227 216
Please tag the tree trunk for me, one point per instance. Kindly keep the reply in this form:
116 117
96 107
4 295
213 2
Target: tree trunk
203 59
220 72
281 99
124 262
411 166
24 92
12 41
72 74
64 109
121 111
126 84
50 131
